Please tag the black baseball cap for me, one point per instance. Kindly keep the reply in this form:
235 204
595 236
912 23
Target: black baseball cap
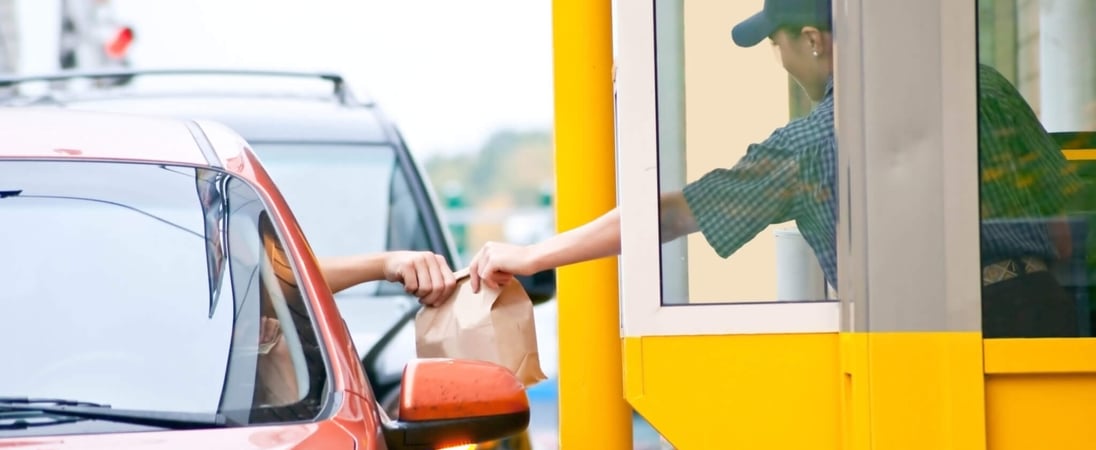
778 13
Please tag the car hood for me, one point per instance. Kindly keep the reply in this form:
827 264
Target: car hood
327 435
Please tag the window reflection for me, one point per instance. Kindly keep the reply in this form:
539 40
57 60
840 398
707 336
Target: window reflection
365 188
108 268
726 178
279 369
210 185
1036 73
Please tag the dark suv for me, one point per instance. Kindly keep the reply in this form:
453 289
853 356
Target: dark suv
340 163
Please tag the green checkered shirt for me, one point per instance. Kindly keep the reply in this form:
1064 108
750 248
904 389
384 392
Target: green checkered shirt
789 176
1025 179
792 176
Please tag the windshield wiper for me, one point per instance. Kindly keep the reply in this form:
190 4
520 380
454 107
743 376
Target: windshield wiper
20 420
88 410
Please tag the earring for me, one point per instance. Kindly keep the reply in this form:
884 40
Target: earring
815 53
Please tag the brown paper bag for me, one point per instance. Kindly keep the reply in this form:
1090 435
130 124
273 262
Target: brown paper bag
494 325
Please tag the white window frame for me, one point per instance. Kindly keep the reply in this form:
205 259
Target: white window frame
908 239
642 310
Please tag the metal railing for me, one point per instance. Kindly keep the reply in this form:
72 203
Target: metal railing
339 86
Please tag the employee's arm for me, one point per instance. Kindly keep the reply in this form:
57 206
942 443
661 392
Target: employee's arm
496 262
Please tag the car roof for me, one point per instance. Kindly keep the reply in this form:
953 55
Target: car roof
256 117
261 105
31 132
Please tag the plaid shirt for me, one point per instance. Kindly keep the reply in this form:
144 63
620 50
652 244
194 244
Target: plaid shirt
792 176
789 176
1025 180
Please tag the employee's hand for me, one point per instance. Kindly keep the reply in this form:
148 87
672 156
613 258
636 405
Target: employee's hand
423 274
497 263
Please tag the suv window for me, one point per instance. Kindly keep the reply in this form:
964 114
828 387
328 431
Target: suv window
151 287
348 199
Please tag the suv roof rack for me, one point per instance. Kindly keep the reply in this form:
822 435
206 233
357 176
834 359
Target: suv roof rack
339 87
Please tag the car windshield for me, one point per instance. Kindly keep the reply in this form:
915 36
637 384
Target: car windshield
151 287
348 199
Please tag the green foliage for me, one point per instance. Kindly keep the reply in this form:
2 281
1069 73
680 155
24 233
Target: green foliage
514 166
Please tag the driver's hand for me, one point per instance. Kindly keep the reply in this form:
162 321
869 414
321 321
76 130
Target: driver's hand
425 275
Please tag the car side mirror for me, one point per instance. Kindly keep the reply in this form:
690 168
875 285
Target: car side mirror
447 402
540 286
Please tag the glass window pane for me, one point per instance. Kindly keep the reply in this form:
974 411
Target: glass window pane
754 189
277 367
105 266
1036 115
146 287
363 186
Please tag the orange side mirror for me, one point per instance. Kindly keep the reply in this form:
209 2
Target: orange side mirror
446 402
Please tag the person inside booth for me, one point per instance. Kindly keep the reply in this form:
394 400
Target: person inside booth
1026 187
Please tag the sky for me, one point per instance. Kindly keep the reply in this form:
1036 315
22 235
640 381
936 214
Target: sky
448 72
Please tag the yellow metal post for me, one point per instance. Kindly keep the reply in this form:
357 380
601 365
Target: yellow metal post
592 410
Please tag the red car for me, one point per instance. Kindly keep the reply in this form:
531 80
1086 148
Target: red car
158 293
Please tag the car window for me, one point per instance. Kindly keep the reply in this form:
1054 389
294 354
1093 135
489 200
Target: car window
113 269
349 199
406 230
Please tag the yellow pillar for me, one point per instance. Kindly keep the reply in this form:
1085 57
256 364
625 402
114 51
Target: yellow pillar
592 410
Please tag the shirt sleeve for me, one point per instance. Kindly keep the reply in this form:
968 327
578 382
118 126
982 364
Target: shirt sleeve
1023 173
731 206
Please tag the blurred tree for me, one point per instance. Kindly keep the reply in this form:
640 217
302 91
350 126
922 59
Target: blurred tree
486 191
513 167
454 199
